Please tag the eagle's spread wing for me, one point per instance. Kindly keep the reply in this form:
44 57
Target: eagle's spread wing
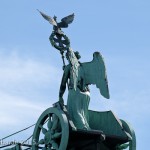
48 18
94 72
66 20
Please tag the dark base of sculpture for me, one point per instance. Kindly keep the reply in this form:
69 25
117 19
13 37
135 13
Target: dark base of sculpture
93 140
85 140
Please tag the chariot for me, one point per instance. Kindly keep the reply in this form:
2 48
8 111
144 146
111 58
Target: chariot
55 131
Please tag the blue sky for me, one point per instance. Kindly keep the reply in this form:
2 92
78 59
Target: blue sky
31 69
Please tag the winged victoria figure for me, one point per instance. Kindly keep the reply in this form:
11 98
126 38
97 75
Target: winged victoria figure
57 26
80 76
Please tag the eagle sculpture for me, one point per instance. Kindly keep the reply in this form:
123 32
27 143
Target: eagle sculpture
57 26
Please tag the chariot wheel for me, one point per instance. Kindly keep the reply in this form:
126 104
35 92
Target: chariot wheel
51 131
127 127
131 135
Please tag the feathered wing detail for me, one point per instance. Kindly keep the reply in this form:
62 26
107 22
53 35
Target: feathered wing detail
48 18
74 68
94 72
66 20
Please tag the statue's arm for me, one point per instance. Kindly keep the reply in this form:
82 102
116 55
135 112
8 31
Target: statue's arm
64 82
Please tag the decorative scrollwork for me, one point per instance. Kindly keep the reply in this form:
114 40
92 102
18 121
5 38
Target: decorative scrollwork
59 41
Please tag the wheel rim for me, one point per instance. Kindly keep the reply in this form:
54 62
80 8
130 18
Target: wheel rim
51 131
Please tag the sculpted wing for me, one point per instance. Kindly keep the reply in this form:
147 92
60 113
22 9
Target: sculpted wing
66 20
94 72
48 18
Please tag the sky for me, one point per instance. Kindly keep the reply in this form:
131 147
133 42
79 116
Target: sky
31 69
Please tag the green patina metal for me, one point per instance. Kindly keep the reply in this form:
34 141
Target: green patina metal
107 122
80 76
128 128
56 133
122 147
60 42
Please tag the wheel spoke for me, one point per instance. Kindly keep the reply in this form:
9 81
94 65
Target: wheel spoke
44 131
55 122
56 135
55 145
49 124
49 148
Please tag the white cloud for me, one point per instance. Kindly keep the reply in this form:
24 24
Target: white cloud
14 69
17 112
12 107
